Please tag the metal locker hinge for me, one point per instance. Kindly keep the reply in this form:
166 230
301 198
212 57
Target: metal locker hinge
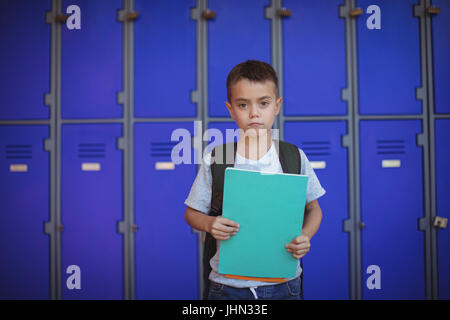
284 13
48 144
121 143
346 141
208 14
347 225
433 10
420 139
422 224
195 96
121 227
48 227
440 223
121 97
48 99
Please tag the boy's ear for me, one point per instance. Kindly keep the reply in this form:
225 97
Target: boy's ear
230 109
277 105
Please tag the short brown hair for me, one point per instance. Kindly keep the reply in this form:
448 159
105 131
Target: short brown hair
252 70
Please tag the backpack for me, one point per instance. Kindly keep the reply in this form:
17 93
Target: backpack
290 160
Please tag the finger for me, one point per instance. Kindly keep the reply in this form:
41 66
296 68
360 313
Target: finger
295 247
299 254
300 239
221 237
220 233
229 222
223 228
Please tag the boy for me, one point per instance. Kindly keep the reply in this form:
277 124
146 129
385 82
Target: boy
253 102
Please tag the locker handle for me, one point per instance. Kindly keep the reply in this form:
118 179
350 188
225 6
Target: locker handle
283 12
122 16
61 228
134 228
433 10
440 223
361 225
131 16
208 14
355 12
61 17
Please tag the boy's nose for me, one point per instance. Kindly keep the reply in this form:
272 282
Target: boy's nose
254 112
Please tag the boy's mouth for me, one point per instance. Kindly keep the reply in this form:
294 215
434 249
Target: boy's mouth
255 124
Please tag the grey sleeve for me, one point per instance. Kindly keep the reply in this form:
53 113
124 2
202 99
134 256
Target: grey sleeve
314 189
199 197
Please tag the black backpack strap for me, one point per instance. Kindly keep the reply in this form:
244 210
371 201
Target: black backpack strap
218 165
289 157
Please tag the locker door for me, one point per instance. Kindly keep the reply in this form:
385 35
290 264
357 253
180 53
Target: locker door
165 59
165 246
391 204
314 58
91 206
443 204
239 32
24 192
441 52
91 61
326 269
388 59
25 59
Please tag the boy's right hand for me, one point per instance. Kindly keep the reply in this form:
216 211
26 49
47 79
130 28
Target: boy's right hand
222 228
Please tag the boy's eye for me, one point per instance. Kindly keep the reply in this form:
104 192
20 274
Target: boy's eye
242 105
265 103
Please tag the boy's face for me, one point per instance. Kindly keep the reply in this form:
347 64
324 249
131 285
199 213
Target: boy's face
254 105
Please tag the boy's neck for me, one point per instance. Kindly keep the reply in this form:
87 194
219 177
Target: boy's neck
254 147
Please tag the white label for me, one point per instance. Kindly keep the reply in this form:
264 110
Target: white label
18 168
90 166
390 163
164 165
318 164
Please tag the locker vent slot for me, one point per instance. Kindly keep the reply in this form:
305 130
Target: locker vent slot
390 146
16 151
316 148
162 149
91 150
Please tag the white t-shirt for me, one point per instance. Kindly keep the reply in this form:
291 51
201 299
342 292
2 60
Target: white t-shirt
199 198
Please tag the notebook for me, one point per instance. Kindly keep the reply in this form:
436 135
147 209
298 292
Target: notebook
269 208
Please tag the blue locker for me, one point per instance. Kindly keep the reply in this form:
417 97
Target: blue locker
443 204
24 190
91 207
165 59
25 59
239 32
314 58
441 52
91 61
326 267
391 204
388 59
165 246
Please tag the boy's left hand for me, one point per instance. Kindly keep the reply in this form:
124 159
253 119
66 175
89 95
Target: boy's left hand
299 246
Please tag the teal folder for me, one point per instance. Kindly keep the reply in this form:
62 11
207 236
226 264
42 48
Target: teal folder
269 208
